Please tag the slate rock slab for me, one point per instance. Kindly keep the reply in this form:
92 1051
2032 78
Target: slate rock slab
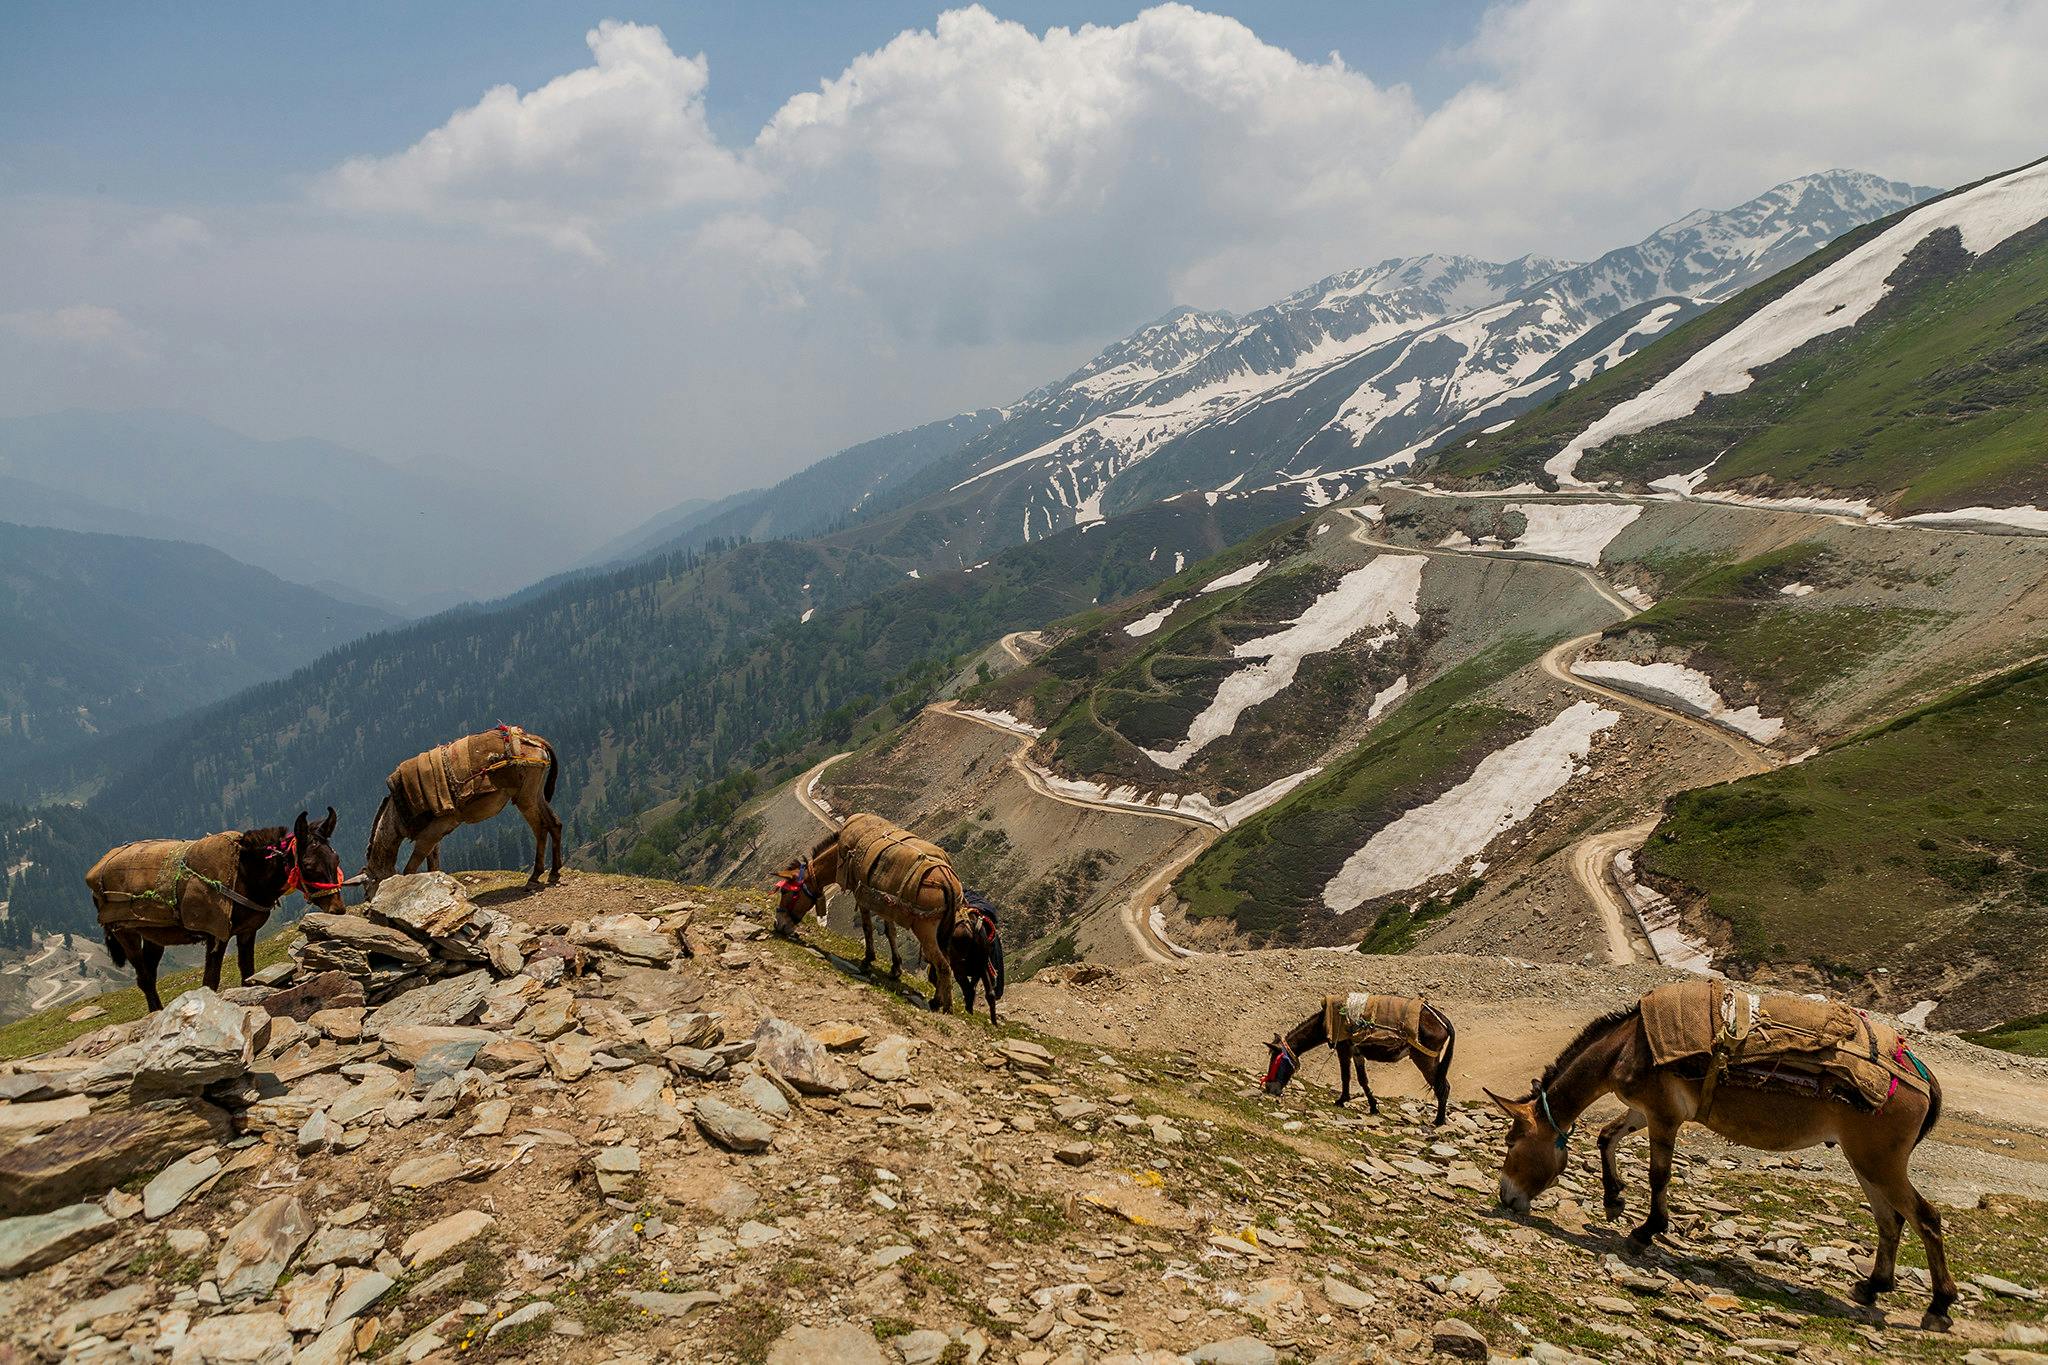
192 1042
733 1129
790 1052
86 1157
46 1238
261 1247
323 991
457 1000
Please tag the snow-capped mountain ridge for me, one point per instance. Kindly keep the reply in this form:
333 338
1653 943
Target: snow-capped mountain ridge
1367 368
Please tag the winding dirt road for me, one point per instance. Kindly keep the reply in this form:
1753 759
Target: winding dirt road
801 790
1592 858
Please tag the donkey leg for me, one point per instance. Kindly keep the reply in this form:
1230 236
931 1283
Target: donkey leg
554 834
146 958
245 955
1884 1175
1663 1141
1343 1051
531 808
216 955
942 970
1372 1101
1927 1223
867 937
895 959
1891 1224
1610 1169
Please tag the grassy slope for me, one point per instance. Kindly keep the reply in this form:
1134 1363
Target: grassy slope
1268 874
1935 399
1919 844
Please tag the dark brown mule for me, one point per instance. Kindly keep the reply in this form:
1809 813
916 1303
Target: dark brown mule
1611 1056
930 911
975 952
151 895
1433 1059
529 786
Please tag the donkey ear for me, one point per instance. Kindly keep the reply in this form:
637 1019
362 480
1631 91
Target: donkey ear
300 825
1512 1108
327 825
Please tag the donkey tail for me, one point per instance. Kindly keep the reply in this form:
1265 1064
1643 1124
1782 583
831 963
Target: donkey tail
547 789
995 963
1443 1064
114 946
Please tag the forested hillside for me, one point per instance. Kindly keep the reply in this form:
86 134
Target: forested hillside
102 633
43 855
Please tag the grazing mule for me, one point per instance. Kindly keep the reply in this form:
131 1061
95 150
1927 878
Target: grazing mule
894 877
465 783
163 892
1613 1056
975 952
1430 1049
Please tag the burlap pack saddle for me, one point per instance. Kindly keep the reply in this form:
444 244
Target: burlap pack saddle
169 883
1376 1018
878 859
436 783
1820 1048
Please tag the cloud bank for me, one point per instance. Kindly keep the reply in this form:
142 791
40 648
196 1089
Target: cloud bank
585 270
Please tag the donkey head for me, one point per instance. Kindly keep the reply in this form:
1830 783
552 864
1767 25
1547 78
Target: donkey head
316 870
798 894
1281 1064
1536 1149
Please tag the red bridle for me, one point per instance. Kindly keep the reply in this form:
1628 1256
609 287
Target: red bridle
295 879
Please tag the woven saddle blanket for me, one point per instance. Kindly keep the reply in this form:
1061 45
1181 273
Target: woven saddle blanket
167 883
879 857
438 782
1754 1033
1346 1017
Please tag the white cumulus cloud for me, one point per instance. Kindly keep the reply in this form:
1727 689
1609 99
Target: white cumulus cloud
622 137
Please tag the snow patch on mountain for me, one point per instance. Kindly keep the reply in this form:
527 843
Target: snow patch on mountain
1681 689
1236 578
1152 620
1576 532
1825 302
1382 593
2027 518
1194 805
1442 836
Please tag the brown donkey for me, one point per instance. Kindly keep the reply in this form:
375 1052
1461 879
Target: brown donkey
1613 1055
163 892
1414 1029
465 783
895 877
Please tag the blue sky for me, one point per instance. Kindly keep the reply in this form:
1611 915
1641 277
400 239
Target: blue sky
548 241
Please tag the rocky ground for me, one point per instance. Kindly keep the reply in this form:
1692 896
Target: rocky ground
615 1121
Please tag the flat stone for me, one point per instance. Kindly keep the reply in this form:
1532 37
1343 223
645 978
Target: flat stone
85 1012
1456 1337
34 1117
261 1247
335 1346
510 1057
84 1158
359 1289
628 937
488 1119
431 906
1025 1055
733 1129
407 1043
367 936
436 1240
317 994
888 1060
663 1305
1075 1153
425 1172
1235 1351
570 1057
519 1317
441 1061
789 1052
839 1037
185 1243
305 1297
457 1000
844 1344
551 1016
342 1246
237 1339
761 1092
192 1042
174 1184
924 1347
1347 1296
32 1242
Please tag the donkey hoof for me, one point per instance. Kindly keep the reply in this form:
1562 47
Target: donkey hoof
1613 1209
1866 1292
1643 1235
1932 1321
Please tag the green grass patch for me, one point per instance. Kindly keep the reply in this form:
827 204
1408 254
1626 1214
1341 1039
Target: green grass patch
1923 839
2027 1036
40 1032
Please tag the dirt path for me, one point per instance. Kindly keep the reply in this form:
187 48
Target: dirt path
801 789
1012 644
1592 858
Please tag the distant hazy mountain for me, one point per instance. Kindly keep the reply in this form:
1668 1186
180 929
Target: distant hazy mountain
102 633
307 510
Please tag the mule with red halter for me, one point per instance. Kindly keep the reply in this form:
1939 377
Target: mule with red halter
1430 1050
269 864
926 900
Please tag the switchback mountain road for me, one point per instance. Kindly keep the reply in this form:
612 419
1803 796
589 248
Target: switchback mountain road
1592 858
